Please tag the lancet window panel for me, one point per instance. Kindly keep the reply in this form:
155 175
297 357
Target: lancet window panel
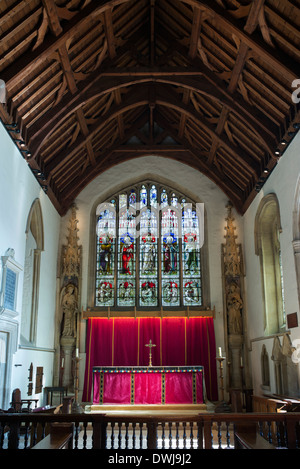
148 250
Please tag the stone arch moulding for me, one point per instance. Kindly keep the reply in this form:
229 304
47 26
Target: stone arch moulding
35 222
35 226
264 204
118 189
296 235
267 229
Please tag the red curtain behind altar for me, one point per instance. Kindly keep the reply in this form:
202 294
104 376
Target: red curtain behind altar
179 342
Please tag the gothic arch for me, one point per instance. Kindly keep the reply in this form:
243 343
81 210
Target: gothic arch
34 246
35 224
158 181
296 234
267 247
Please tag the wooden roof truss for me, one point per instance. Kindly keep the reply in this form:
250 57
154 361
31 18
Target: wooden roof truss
90 84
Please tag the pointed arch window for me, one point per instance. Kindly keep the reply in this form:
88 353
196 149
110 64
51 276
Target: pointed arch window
267 247
33 249
148 250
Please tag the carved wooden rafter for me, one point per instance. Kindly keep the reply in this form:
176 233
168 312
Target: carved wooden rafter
276 60
250 26
219 70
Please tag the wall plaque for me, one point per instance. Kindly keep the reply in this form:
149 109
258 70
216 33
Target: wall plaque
9 281
292 320
10 289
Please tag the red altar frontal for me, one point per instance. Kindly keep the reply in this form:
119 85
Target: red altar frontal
148 385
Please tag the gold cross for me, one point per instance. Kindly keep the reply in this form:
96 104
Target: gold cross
150 345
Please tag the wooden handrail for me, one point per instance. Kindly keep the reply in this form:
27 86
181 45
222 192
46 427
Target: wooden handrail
60 437
251 441
287 426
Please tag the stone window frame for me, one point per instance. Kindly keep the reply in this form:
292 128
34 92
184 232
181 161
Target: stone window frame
267 246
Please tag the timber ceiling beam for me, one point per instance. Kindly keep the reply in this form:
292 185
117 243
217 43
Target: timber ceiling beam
136 98
250 26
72 189
264 126
226 184
89 89
110 37
55 26
140 96
62 109
170 99
195 33
274 58
20 69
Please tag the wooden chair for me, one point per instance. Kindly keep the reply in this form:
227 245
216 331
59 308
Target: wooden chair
18 404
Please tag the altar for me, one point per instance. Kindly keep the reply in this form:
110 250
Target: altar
155 385
150 361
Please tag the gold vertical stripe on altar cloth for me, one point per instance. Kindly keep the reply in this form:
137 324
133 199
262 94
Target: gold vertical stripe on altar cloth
138 344
89 358
209 364
194 387
132 388
160 340
163 388
185 344
101 388
113 343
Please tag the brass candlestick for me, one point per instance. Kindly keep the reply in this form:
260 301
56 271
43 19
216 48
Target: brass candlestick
222 406
221 386
76 407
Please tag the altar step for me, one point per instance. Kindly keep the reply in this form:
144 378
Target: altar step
148 409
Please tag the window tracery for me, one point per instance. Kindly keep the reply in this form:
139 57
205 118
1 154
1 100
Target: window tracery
148 252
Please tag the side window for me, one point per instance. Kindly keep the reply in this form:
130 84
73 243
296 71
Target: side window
267 242
33 249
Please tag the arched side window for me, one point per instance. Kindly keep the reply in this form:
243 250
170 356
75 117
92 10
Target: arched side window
296 234
267 245
148 250
33 249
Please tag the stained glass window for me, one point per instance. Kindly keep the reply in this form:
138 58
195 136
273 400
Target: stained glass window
106 239
191 258
149 242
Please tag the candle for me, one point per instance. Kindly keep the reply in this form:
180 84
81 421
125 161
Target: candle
62 362
77 352
241 361
220 352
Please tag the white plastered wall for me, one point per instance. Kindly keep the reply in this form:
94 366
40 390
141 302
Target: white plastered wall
283 182
176 175
18 190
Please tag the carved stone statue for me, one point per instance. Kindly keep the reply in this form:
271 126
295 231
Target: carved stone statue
69 304
234 306
231 250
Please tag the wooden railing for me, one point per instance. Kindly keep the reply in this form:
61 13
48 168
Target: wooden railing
203 431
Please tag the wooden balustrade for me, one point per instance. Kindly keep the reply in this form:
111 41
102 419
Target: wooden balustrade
202 431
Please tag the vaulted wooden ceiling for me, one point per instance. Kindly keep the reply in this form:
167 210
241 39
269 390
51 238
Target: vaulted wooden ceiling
90 84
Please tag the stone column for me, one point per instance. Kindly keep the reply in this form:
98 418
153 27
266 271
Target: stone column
69 305
235 343
68 345
234 305
296 247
